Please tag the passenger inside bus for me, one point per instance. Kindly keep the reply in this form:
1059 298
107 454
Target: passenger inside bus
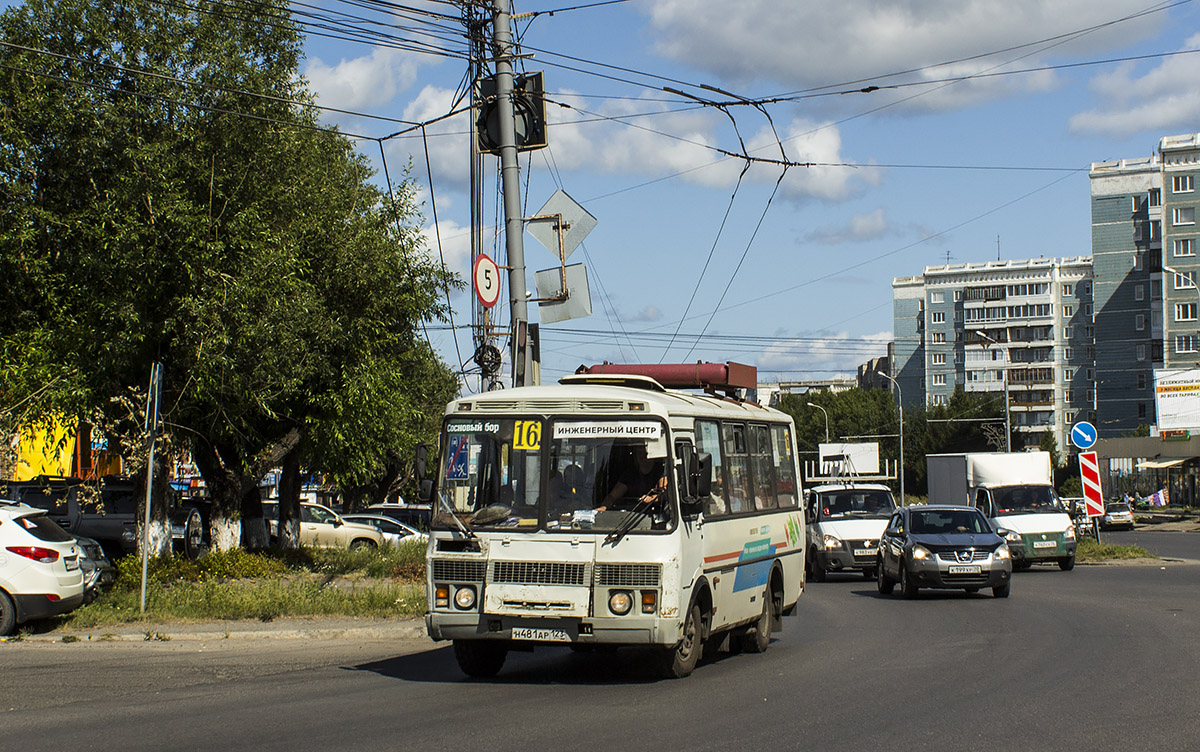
641 480
567 493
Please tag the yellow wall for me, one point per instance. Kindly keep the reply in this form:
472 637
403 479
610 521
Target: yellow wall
45 450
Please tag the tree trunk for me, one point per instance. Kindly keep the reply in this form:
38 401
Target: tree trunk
159 538
289 501
224 531
254 528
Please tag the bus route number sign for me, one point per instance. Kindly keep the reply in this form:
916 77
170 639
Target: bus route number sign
527 435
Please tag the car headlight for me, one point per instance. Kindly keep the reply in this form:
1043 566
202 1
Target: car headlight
1069 534
619 602
832 541
464 597
1013 537
921 553
1001 552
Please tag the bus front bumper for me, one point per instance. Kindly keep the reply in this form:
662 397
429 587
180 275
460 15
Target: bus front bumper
633 629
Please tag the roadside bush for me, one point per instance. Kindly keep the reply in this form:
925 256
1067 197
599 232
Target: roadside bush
1089 549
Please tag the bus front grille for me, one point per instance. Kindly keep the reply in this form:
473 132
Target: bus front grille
627 575
450 570
538 572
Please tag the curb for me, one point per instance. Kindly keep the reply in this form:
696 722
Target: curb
408 630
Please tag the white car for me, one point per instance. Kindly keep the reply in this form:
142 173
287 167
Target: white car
322 527
393 531
40 575
1117 514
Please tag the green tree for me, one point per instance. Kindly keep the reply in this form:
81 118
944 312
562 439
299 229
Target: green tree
169 196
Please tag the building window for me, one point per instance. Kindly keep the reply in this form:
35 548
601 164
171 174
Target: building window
1085 288
1068 289
939 338
1185 343
1068 396
1156 197
1141 381
1181 184
1139 292
1068 311
1184 247
1138 262
939 359
1141 352
1087 309
1141 409
1090 375
937 297
939 379
1068 353
939 317
1067 332
1183 215
1185 311
1184 280
1139 322
957 296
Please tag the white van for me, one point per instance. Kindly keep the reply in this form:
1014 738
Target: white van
845 523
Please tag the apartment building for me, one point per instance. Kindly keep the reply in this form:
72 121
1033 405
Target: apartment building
1020 329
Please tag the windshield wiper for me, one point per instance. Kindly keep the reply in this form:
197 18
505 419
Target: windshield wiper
450 511
636 514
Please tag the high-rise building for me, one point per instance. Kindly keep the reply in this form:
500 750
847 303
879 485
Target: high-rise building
1020 329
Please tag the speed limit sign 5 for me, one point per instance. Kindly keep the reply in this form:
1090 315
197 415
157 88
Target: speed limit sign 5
487 280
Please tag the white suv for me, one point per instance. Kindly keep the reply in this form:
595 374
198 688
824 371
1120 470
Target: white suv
40 574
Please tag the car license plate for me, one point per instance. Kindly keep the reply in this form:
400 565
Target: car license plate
1045 544
542 635
864 552
965 569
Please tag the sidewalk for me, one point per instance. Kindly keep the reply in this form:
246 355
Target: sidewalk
290 628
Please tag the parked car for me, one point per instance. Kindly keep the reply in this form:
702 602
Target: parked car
40 574
942 547
413 515
322 527
393 531
98 572
1117 514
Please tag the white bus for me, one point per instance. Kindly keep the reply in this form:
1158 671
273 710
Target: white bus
610 510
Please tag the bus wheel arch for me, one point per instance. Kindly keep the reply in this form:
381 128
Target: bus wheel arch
775 597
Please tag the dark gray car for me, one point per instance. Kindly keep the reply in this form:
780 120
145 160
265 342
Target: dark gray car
942 547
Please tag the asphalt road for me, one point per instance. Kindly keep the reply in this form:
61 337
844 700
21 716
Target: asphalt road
1103 657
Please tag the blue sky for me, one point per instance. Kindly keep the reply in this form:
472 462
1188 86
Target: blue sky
812 295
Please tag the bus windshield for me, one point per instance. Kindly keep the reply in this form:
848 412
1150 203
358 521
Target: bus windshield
561 474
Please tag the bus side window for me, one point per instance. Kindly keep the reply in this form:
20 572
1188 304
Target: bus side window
764 468
737 459
785 467
708 440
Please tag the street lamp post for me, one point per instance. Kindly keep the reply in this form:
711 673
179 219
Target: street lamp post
1004 378
900 404
810 404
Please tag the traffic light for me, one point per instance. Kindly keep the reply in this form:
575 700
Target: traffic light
529 113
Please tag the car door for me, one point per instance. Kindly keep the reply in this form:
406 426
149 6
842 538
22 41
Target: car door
316 526
891 545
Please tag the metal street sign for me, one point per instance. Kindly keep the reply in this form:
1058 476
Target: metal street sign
556 303
561 215
487 280
1083 435
1089 473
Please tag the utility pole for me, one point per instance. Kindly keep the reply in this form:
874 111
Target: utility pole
510 178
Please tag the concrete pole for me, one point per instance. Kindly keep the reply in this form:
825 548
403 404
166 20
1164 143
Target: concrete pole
510 178
900 404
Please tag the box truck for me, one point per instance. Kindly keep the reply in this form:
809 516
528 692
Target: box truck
1015 491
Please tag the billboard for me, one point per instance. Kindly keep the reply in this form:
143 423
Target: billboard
853 459
1177 398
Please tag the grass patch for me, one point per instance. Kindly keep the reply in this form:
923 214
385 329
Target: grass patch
265 585
1091 550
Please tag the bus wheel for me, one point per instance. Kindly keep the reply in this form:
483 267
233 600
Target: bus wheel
480 658
757 638
679 661
816 572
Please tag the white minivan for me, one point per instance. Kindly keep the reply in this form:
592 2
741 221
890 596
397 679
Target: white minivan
40 575
845 523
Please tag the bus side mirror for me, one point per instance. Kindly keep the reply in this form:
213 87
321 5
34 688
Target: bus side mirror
425 491
421 464
702 475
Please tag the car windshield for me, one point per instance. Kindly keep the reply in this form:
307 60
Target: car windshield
855 503
43 528
947 522
1117 506
1026 500
533 473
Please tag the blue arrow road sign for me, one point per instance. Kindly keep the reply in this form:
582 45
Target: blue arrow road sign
1083 435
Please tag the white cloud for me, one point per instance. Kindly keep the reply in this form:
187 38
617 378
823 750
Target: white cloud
362 83
860 227
648 314
797 45
1166 99
455 246
824 354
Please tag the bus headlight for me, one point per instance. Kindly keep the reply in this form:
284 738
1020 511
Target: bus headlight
464 597
620 602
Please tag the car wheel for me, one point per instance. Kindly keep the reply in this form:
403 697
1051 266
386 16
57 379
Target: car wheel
1067 563
361 543
816 572
758 638
1001 591
8 614
882 581
681 660
907 586
480 658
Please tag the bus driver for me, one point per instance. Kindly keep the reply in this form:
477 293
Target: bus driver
643 479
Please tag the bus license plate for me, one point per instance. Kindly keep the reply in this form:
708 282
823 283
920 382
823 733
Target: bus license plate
542 635
864 552
969 569
1045 544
